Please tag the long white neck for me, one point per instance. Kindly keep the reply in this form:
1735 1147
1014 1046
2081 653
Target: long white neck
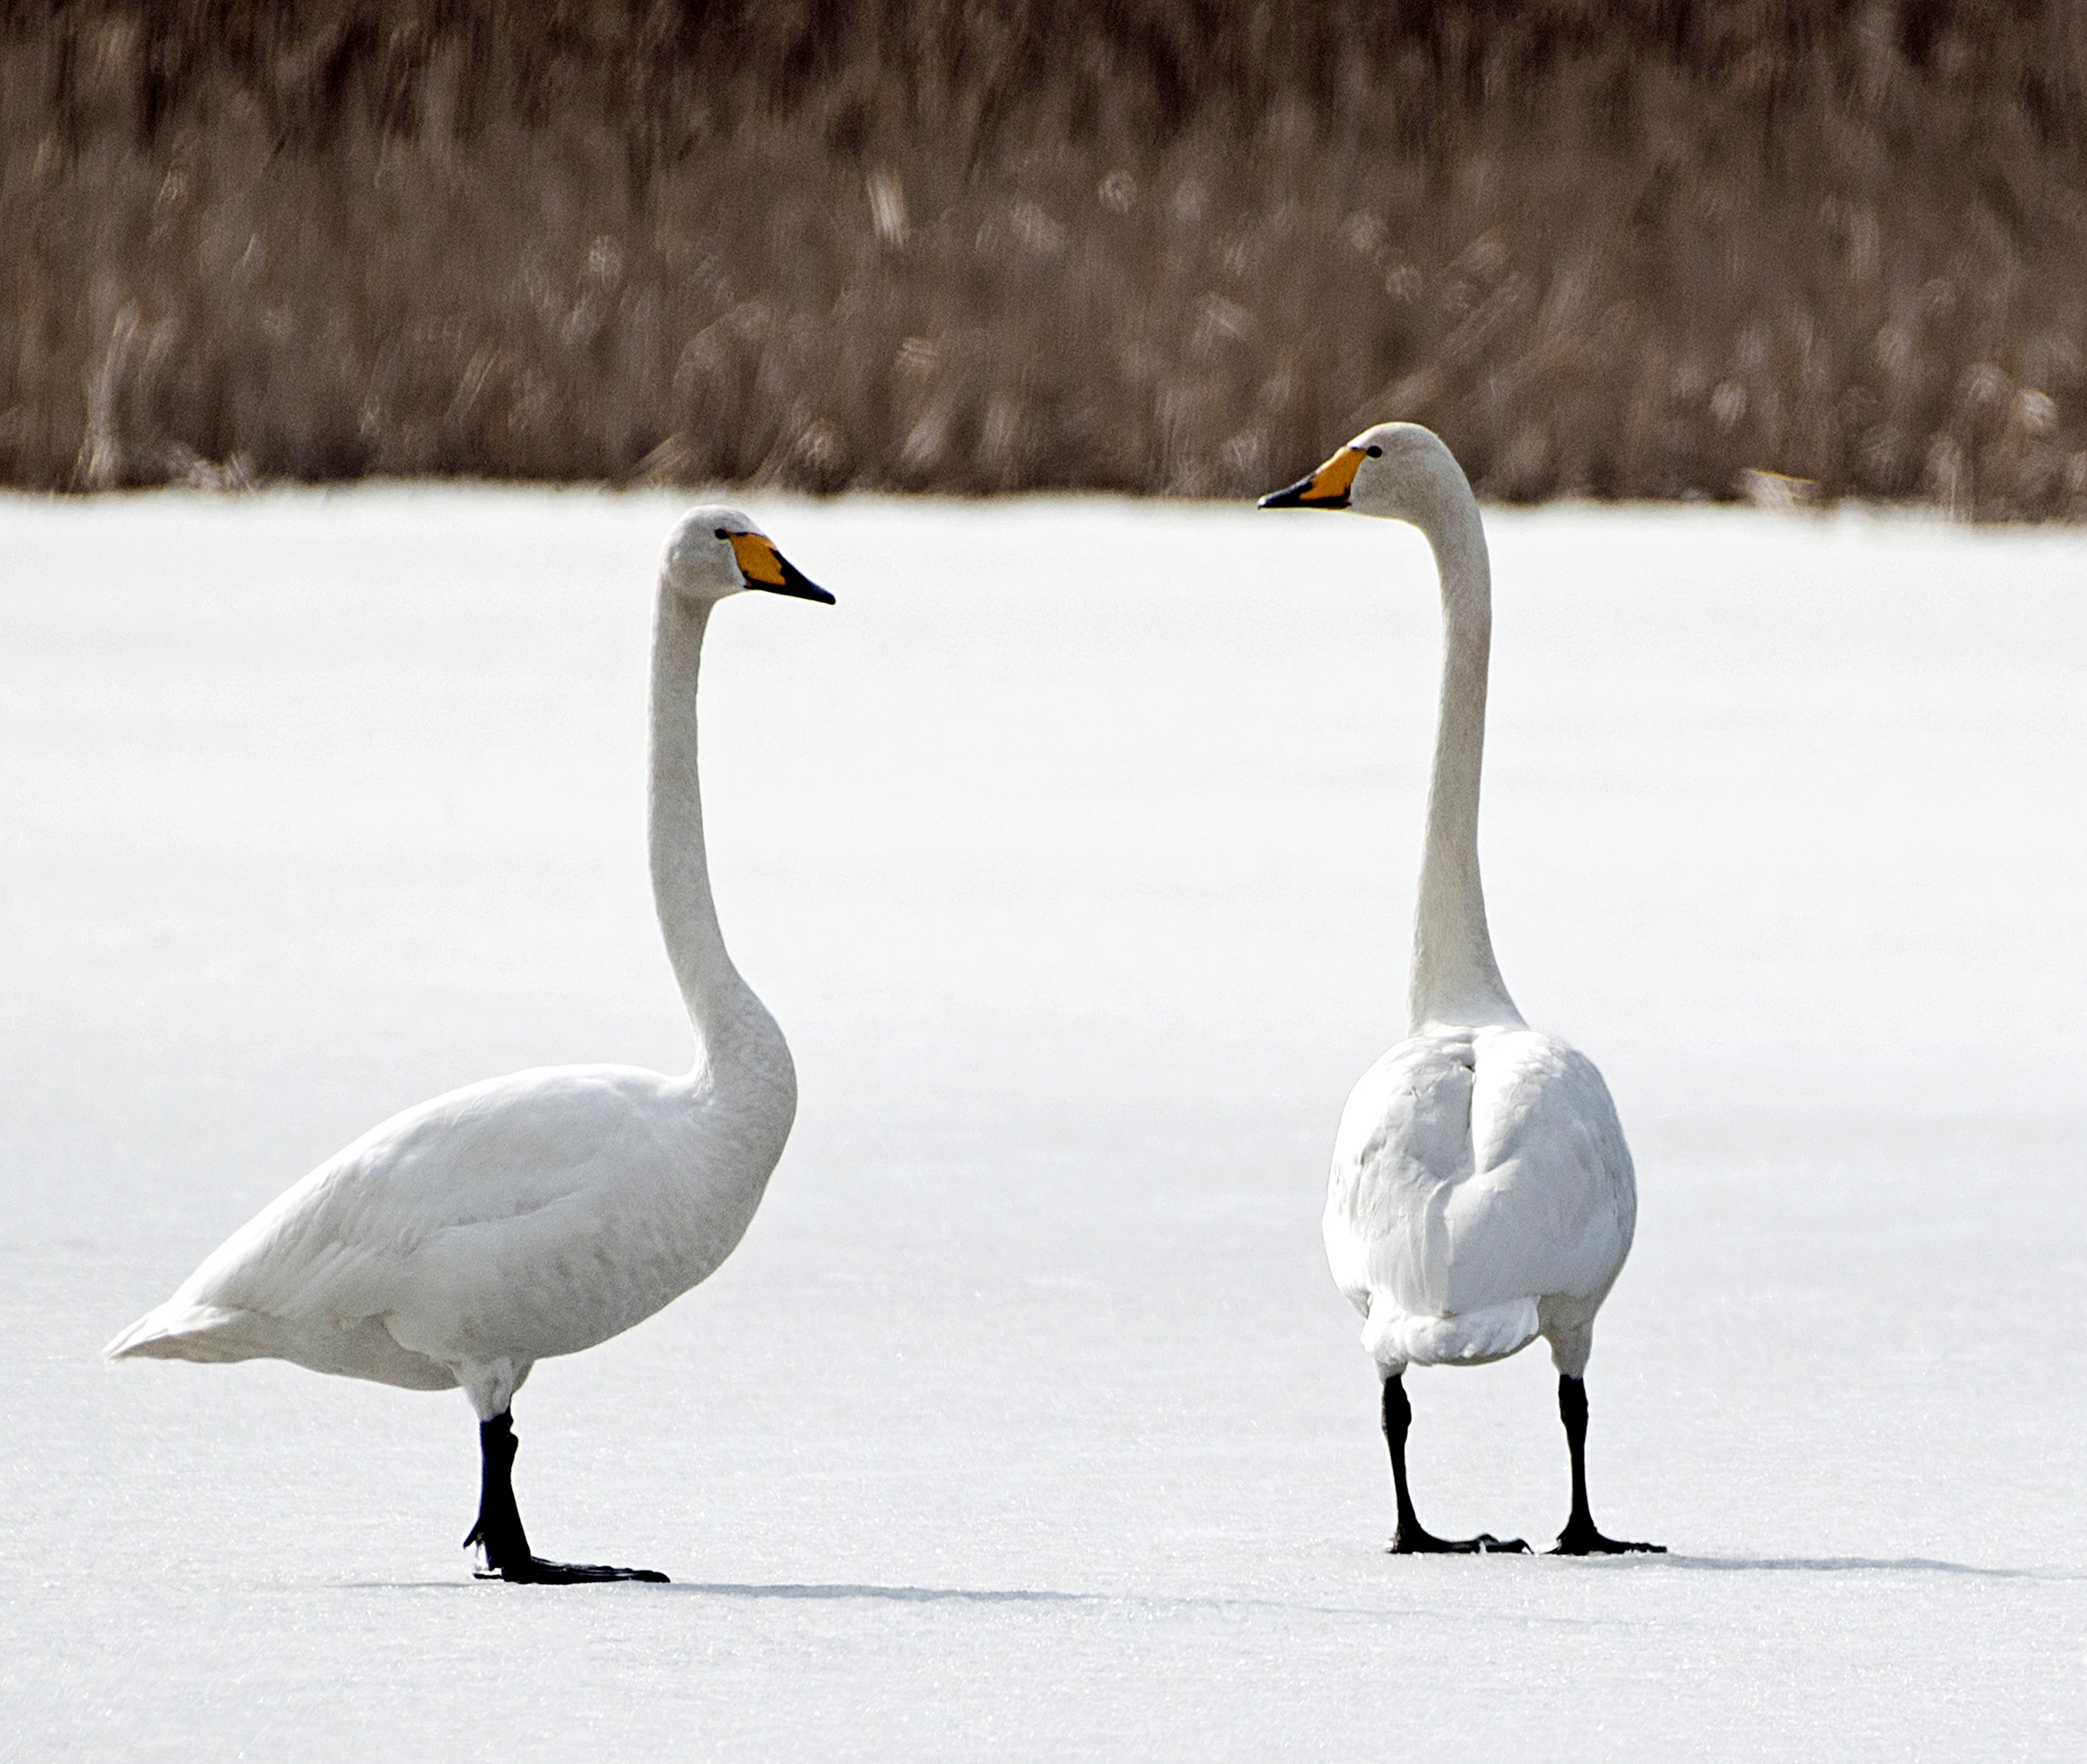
1455 980
722 1007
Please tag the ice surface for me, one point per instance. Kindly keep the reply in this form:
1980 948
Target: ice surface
1073 850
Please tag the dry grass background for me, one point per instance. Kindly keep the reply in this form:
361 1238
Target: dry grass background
1798 248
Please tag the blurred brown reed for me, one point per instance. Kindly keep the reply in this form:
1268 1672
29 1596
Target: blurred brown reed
1787 248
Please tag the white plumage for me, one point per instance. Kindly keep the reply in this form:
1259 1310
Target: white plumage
539 1213
470 1236
1482 1194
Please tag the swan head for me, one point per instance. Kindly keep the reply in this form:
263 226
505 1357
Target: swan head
713 552
1398 471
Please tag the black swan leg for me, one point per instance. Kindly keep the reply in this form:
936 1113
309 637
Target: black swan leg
1410 1539
499 1530
1580 1537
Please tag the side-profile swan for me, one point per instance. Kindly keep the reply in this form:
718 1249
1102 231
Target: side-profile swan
462 1241
1482 1194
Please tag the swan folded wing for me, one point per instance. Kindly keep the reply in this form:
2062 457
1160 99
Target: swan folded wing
1550 1207
1405 1142
567 1276
351 1241
1474 1171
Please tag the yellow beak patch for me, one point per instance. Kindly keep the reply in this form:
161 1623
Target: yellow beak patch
760 561
1333 480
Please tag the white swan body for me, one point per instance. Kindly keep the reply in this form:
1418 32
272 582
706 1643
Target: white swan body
539 1213
1482 1194
515 1220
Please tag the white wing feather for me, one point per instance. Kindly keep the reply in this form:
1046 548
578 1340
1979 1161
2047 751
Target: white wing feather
528 1215
1478 1175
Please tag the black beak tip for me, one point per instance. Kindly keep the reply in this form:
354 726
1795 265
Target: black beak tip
1293 497
798 585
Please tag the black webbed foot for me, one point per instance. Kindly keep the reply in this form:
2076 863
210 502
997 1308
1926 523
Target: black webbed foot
499 1532
534 1571
1411 1538
1416 1542
1578 1539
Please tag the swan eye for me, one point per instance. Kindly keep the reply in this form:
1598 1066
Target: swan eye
722 534
1374 452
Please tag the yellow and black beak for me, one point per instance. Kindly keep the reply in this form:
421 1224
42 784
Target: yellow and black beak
767 569
1326 488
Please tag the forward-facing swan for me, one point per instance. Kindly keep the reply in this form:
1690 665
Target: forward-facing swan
539 1213
1482 1193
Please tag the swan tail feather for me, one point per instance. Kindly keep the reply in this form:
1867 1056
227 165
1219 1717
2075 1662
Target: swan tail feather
212 1333
1396 1339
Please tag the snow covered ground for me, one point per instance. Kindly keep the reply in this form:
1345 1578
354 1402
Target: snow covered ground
1073 849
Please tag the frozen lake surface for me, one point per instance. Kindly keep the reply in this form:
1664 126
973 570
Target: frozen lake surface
1073 850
